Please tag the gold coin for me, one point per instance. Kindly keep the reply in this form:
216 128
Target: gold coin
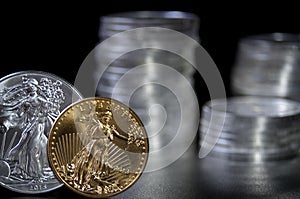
98 147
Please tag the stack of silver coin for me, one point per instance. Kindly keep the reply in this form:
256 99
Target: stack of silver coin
110 25
251 128
142 76
268 65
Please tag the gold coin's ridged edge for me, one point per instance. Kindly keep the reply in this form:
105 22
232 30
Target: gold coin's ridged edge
54 128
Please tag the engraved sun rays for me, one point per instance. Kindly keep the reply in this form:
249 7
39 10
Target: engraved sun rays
67 147
70 144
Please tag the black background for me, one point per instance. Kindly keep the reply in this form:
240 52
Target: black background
56 38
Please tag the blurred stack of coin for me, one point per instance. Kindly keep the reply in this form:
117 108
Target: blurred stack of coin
142 76
268 65
251 128
110 25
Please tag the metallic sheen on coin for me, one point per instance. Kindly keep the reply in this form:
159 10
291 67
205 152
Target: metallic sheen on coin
30 101
98 147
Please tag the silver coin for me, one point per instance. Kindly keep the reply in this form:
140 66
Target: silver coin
253 158
251 143
256 106
279 151
243 130
152 17
248 111
123 27
30 101
263 136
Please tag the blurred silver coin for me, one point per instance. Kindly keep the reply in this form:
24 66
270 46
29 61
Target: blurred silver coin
249 111
138 57
255 157
117 69
254 134
263 149
30 101
254 106
247 151
180 21
144 90
127 17
108 33
260 125
121 27
241 125
252 142
259 88
250 134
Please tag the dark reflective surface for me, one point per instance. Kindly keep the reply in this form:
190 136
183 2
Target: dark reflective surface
190 177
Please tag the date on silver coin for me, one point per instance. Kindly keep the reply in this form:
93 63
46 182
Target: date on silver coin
30 101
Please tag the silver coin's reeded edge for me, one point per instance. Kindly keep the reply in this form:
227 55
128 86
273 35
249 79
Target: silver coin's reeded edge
67 84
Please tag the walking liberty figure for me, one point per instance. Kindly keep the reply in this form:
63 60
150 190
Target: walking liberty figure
29 108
